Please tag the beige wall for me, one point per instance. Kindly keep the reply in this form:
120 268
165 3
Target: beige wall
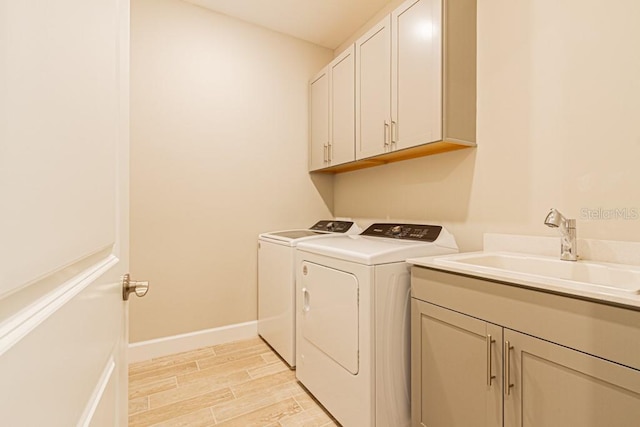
218 154
558 114
219 131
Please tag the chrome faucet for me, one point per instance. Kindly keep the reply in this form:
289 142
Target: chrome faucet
567 227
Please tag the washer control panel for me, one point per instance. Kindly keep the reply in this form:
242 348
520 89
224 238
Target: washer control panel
332 226
419 232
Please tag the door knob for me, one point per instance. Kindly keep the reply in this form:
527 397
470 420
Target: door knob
128 286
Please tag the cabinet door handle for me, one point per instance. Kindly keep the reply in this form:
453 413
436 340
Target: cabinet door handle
394 131
329 152
386 134
490 342
325 150
507 368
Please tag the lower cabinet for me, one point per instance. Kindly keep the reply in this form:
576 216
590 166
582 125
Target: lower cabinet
551 385
456 369
468 371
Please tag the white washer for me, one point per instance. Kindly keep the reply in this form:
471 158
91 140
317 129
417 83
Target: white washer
353 349
276 281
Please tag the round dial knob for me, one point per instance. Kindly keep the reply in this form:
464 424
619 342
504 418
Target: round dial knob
396 230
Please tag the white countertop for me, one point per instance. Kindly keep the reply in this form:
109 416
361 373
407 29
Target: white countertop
514 247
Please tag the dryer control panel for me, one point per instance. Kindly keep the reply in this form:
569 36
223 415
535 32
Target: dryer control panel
419 232
332 226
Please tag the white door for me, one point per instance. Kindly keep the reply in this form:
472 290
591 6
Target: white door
63 212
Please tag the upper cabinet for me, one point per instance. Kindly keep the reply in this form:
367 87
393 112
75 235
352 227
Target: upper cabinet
332 113
399 80
415 84
416 74
373 91
342 115
319 120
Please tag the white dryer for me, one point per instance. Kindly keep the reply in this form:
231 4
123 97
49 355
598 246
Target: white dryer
276 281
353 312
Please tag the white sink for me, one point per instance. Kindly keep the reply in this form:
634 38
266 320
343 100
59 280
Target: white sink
588 275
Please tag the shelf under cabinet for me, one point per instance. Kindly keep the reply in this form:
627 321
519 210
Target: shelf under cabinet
394 156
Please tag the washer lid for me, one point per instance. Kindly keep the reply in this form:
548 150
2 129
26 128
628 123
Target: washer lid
324 228
293 237
370 250
294 234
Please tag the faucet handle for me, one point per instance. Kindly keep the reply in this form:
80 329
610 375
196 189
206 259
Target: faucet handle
567 227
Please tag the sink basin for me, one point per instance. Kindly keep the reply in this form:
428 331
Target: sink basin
591 275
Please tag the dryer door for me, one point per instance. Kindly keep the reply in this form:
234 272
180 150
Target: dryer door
330 313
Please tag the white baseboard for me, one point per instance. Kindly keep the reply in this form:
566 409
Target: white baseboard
145 350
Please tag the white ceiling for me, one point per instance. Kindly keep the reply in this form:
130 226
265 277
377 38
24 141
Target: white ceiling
324 22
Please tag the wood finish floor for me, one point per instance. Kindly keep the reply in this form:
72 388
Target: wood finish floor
243 383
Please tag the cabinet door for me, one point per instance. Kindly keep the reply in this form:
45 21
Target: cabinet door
373 91
455 362
554 386
319 120
342 123
416 107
